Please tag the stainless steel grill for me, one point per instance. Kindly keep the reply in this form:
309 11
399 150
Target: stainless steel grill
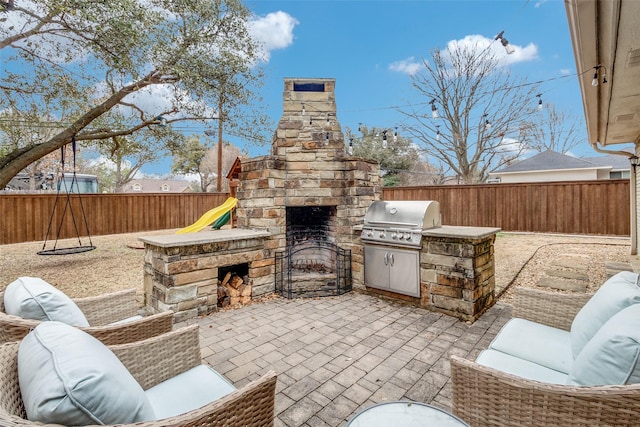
400 223
392 237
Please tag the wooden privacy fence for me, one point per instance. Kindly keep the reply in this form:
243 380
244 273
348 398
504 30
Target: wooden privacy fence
25 217
582 207
578 207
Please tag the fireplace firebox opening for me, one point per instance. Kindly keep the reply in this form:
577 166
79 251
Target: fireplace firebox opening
306 223
312 264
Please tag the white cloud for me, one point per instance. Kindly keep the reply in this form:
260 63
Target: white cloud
509 146
478 43
408 66
481 43
273 31
565 71
539 3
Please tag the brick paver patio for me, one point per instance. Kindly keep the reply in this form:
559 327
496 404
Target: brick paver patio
337 355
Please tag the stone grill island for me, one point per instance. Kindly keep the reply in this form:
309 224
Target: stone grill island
299 218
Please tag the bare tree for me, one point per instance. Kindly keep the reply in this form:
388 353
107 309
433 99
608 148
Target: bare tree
479 104
209 164
197 157
422 173
550 129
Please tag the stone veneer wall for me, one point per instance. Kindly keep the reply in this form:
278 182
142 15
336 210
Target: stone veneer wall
458 275
184 278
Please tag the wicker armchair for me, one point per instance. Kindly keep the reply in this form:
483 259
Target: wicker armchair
484 396
100 311
150 362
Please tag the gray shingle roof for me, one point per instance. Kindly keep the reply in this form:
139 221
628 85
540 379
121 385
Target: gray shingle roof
551 160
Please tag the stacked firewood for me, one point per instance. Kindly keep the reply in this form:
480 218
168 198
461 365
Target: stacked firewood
234 290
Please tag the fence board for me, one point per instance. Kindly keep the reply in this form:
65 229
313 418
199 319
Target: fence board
25 217
576 207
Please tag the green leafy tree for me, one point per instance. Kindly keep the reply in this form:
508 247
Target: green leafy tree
40 172
395 153
201 158
92 64
479 105
189 159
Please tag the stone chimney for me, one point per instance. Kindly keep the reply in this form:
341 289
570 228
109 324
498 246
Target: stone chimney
309 120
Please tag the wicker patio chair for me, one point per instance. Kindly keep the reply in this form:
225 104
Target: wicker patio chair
150 362
100 312
483 396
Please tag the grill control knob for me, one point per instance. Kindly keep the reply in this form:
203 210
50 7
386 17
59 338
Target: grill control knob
407 236
394 235
370 233
382 234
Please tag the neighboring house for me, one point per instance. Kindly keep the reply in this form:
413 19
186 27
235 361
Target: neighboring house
148 185
553 166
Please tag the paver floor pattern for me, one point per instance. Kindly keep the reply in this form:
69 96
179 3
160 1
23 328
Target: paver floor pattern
337 355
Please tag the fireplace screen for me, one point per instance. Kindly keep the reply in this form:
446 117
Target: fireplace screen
313 268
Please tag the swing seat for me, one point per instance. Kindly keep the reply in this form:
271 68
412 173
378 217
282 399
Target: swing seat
66 251
112 318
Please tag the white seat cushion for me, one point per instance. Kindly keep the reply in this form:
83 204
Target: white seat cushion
520 367
127 320
68 377
33 298
617 293
612 357
188 391
537 343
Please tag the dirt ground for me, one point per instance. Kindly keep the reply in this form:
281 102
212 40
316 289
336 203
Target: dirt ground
117 261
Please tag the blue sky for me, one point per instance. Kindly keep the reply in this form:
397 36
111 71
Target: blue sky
370 47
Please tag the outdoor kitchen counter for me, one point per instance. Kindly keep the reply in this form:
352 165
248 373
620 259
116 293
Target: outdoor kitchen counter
461 232
203 237
182 271
458 270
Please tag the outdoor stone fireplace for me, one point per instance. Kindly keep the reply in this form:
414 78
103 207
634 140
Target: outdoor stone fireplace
309 189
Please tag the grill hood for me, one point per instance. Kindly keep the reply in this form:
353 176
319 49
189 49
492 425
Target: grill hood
404 214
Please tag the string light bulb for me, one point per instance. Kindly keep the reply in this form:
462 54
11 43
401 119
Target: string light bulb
384 139
595 82
350 148
359 127
539 101
326 141
438 133
505 43
395 135
303 110
434 109
487 123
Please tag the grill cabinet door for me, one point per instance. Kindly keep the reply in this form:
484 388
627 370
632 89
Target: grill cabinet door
394 270
404 271
376 270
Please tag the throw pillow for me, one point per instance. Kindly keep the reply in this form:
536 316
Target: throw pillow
33 298
612 356
617 293
68 377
